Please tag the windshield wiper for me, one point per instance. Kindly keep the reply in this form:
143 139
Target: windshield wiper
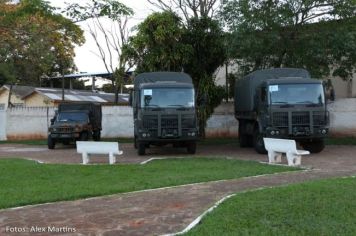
179 107
151 105
309 103
279 102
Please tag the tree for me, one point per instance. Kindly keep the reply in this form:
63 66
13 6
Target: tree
35 41
109 42
164 43
158 44
188 8
207 40
318 35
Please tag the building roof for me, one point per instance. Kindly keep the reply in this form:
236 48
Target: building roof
55 94
20 91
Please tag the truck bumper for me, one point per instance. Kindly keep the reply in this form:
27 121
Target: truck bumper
302 133
65 136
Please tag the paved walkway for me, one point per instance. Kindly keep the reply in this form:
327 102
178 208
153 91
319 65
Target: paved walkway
160 211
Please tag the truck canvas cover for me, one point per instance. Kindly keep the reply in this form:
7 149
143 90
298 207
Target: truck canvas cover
94 110
246 87
152 77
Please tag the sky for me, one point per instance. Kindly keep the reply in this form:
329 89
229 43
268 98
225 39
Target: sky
86 60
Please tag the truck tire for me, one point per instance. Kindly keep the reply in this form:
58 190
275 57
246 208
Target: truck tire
96 135
84 136
192 147
141 148
50 142
314 146
135 142
258 142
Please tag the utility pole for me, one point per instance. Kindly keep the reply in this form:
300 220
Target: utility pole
62 84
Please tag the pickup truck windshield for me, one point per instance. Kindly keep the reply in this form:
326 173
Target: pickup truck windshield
296 94
72 116
167 97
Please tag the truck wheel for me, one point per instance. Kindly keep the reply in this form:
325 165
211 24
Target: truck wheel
315 146
141 148
84 136
50 142
258 142
191 147
243 140
96 136
135 142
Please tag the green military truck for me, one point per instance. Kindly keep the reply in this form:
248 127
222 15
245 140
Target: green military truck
281 103
164 111
75 121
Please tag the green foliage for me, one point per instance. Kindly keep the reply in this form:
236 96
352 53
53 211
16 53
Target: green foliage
207 40
35 41
6 74
98 8
25 182
315 208
318 35
158 44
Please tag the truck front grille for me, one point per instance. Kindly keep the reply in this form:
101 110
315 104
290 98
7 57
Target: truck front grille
319 118
169 122
280 119
188 121
65 129
150 122
300 118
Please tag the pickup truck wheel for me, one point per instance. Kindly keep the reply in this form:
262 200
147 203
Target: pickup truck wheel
315 146
258 142
96 136
50 142
191 147
84 136
141 148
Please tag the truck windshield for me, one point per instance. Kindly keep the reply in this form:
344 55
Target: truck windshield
167 97
297 94
72 116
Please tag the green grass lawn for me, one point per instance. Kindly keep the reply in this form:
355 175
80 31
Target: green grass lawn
25 182
325 207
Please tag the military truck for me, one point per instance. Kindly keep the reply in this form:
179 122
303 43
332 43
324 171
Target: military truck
164 111
75 121
281 103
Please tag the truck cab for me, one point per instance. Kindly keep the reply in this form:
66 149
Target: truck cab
164 111
282 106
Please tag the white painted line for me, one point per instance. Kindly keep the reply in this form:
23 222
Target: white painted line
38 161
199 218
152 159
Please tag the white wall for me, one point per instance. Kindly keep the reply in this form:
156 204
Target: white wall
32 123
343 117
2 124
117 122
28 123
